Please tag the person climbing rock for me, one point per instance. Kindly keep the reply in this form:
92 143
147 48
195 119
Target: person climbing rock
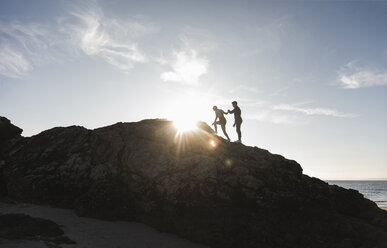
237 119
219 114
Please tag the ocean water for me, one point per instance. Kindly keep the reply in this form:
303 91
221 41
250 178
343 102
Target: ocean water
373 190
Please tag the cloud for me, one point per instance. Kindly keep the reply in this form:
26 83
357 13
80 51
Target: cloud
286 113
262 111
23 45
12 63
108 38
281 91
266 38
313 111
187 67
30 36
352 76
276 118
201 39
86 30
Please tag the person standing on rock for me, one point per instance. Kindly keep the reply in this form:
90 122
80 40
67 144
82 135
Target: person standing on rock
219 114
237 119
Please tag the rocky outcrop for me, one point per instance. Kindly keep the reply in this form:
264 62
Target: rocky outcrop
22 226
194 184
8 130
8 133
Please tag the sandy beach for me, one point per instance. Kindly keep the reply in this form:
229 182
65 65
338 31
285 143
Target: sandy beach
88 232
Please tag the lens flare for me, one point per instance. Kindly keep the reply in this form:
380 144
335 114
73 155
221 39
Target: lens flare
228 162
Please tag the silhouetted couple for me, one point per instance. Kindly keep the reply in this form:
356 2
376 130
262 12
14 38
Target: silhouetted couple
221 120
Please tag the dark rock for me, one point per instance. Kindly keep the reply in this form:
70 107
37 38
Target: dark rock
222 194
21 226
8 130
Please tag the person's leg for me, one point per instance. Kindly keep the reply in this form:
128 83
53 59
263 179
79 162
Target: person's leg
238 129
216 127
224 131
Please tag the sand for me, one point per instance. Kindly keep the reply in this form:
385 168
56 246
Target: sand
88 232
93 233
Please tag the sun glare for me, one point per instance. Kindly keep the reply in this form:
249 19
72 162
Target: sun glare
184 125
186 109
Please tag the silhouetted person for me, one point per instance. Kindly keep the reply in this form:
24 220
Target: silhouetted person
237 119
219 114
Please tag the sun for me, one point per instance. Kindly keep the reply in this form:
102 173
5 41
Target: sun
184 125
185 109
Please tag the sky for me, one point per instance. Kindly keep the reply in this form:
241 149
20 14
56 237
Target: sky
309 76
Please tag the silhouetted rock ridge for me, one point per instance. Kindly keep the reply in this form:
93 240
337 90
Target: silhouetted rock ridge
222 194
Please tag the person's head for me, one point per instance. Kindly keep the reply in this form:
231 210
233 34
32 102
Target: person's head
234 104
214 108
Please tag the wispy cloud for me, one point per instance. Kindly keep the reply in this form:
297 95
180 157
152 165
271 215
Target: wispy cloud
22 47
111 39
262 111
281 91
352 76
275 117
30 36
202 39
267 37
313 111
187 66
12 63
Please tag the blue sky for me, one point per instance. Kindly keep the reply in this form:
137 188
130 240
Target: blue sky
309 76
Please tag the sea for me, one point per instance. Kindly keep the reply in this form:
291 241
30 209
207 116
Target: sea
373 190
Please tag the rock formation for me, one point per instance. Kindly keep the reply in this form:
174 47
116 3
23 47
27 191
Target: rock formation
194 184
8 130
21 226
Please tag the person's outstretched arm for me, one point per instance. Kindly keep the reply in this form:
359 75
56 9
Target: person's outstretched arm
231 111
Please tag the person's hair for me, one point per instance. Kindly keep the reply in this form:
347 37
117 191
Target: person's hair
235 102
